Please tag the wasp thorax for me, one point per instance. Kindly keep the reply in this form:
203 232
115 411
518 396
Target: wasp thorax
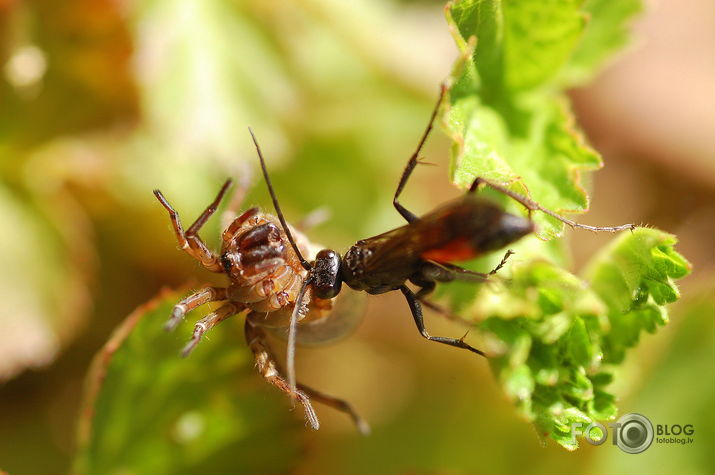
326 274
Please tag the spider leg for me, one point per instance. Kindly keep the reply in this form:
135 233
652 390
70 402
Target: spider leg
268 368
244 183
532 205
208 322
203 296
315 218
416 310
271 371
414 161
189 239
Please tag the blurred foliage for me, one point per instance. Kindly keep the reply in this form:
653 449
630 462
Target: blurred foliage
147 411
607 30
45 262
67 70
103 102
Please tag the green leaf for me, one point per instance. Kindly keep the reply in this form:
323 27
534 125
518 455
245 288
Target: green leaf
606 32
147 410
634 276
520 45
679 390
507 121
545 346
549 333
539 37
545 163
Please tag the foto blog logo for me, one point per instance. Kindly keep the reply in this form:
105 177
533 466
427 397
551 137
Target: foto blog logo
634 433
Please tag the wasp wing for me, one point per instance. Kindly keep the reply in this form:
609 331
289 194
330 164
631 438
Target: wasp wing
348 310
443 235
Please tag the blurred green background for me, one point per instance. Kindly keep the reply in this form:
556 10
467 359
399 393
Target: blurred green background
102 101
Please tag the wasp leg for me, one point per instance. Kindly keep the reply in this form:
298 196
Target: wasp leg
532 205
189 239
445 312
426 288
506 257
416 310
268 368
414 161
341 405
446 272
203 296
208 322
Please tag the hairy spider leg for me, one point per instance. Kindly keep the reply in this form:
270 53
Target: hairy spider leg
189 240
269 368
197 299
339 404
208 322
243 184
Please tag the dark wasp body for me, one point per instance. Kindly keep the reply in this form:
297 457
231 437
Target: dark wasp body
279 288
420 252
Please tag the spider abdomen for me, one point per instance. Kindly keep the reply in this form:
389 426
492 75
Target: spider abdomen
264 271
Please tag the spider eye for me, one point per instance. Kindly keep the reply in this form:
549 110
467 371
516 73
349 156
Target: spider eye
226 263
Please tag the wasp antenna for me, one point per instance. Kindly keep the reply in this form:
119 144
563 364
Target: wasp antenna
415 160
292 330
277 207
425 134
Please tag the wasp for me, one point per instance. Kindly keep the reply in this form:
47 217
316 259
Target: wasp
273 281
421 252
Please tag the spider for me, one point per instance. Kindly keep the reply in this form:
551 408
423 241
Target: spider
265 279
